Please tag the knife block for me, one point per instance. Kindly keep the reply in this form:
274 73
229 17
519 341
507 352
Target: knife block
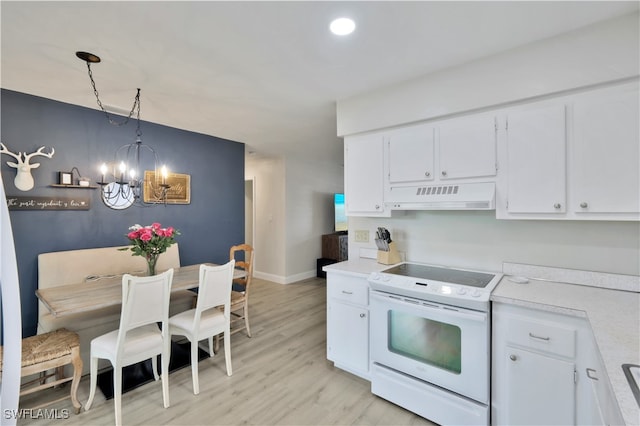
390 257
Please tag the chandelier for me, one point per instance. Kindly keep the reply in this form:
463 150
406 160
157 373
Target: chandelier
134 176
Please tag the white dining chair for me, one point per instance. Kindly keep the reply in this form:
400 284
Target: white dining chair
207 319
145 303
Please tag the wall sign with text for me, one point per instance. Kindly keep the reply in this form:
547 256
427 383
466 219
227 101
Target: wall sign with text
48 203
179 191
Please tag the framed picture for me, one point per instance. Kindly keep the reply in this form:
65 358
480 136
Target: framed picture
65 178
178 192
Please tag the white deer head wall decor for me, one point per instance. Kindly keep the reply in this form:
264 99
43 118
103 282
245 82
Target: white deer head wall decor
24 180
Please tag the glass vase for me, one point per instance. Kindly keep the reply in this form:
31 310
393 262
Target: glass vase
151 264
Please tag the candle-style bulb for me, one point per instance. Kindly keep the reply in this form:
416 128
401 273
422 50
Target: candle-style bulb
164 174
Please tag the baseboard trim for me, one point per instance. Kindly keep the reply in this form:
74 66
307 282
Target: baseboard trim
279 279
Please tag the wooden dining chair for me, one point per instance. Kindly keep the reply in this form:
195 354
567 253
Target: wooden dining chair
241 287
243 255
207 319
145 303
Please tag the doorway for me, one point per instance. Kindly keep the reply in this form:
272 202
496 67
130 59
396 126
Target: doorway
249 211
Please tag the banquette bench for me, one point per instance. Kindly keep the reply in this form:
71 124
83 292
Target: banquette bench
77 266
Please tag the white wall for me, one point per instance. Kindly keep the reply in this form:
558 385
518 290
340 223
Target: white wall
294 208
476 239
602 52
595 55
310 188
269 198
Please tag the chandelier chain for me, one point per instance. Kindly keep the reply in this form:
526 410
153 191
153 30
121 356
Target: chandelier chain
136 103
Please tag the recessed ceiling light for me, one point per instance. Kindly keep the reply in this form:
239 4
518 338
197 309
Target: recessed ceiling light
342 26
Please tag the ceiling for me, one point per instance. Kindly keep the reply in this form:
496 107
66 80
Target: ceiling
267 74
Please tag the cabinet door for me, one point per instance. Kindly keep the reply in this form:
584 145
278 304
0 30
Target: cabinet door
468 147
364 173
598 405
348 336
411 154
540 390
605 154
536 151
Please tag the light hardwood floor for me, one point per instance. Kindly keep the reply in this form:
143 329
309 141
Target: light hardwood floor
280 377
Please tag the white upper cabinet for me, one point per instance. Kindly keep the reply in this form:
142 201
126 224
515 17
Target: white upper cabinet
575 156
606 153
536 160
411 153
467 147
363 173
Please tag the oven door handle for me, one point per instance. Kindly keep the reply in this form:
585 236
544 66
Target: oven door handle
416 304
466 315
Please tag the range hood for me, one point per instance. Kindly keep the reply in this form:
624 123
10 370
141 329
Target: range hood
460 196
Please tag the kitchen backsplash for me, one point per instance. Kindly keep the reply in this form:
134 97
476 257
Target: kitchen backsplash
476 239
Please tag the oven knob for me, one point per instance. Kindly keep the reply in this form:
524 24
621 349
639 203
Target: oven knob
386 278
462 291
476 293
375 276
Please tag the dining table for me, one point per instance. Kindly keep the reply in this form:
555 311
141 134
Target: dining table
104 291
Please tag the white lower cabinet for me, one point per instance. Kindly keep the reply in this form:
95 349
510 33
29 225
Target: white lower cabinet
547 370
540 389
600 403
348 323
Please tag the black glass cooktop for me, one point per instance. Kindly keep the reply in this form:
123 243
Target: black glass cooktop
453 276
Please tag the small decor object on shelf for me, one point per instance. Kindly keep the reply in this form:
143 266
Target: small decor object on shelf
150 241
65 178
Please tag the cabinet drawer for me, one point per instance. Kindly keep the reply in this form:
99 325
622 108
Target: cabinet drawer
348 289
542 336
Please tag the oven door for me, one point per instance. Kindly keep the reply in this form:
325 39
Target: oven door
440 344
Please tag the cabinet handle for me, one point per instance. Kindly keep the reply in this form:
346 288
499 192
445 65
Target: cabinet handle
427 174
512 357
444 173
347 292
539 337
557 205
584 205
377 207
362 315
591 374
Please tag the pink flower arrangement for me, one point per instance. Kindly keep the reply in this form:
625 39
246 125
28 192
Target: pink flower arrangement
150 241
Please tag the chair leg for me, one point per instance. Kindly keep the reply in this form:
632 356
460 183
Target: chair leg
93 366
59 373
154 366
211 352
42 377
194 367
117 393
165 359
227 351
246 319
76 361
217 345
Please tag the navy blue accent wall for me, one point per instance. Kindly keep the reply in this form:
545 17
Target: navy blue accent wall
83 138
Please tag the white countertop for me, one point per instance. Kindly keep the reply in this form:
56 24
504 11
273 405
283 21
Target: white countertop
614 316
361 267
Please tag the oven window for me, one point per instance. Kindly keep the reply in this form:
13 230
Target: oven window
431 342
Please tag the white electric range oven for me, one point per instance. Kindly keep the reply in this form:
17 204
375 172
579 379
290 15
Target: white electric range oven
430 340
